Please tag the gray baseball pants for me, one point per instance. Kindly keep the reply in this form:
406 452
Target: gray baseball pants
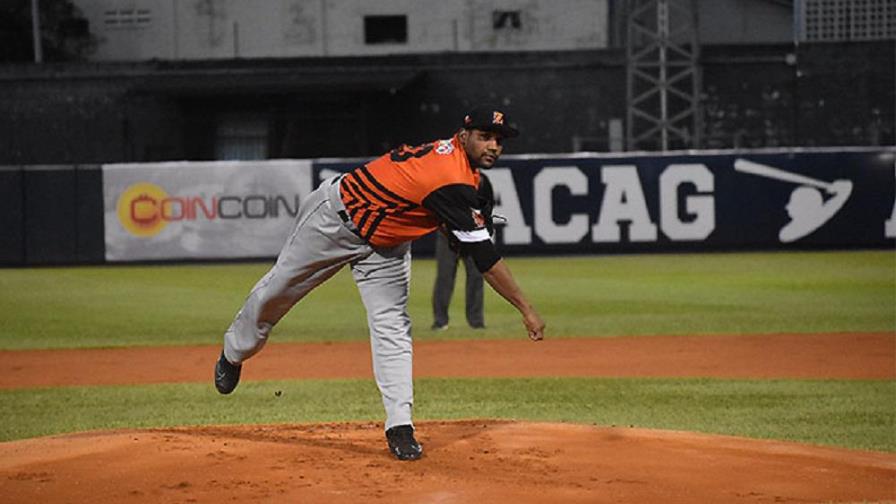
320 245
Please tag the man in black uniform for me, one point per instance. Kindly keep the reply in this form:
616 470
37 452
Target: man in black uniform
446 271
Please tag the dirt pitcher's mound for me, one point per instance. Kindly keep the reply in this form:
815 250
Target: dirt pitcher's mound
469 461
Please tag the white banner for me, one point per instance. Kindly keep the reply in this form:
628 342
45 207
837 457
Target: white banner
201 210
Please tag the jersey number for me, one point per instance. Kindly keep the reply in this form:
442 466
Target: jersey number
404 152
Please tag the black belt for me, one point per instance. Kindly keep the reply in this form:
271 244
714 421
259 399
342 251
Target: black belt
347 221
343 214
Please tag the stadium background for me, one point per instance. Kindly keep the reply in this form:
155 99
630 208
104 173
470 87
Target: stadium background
807 86
174 81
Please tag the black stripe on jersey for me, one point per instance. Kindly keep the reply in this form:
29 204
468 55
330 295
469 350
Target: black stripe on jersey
364 216
382 188
351 202
358 203
353 192
348 194
373 225
365 190
347 189
360 198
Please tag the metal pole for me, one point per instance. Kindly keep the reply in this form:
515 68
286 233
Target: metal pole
662 20
35 30
797 29
323 26
236 39
629 76
696 80
176 29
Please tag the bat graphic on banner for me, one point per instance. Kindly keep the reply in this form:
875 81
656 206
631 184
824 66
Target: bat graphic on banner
742 165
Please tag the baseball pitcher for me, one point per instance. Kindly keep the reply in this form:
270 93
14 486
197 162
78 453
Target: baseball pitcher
366 220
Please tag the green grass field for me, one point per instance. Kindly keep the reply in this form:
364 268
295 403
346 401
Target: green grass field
858 414
591 296
578 297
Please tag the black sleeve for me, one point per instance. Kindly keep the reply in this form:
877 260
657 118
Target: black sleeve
486 197
483 253
485 193
458 207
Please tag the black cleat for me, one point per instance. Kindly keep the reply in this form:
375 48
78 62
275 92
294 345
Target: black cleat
402 443
227 376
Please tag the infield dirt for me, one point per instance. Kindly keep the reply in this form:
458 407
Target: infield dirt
465 461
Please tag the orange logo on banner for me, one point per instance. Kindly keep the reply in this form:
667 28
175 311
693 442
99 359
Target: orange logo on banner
139 209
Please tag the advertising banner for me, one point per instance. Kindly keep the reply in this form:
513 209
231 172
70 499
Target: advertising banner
553 204
726 200
201 210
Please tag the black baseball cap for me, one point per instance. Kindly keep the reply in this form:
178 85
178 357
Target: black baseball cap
489 118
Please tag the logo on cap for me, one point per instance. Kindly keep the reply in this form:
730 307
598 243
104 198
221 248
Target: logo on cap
497 117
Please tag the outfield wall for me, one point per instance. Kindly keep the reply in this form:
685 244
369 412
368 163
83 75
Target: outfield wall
583 203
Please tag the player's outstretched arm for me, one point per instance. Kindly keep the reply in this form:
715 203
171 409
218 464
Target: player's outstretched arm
500 278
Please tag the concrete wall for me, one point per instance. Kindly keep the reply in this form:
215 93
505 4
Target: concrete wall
135 30
744 21
139 30
132 30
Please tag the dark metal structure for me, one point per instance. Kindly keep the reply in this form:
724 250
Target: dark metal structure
663 76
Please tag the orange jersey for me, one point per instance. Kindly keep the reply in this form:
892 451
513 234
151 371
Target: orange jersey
410 191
